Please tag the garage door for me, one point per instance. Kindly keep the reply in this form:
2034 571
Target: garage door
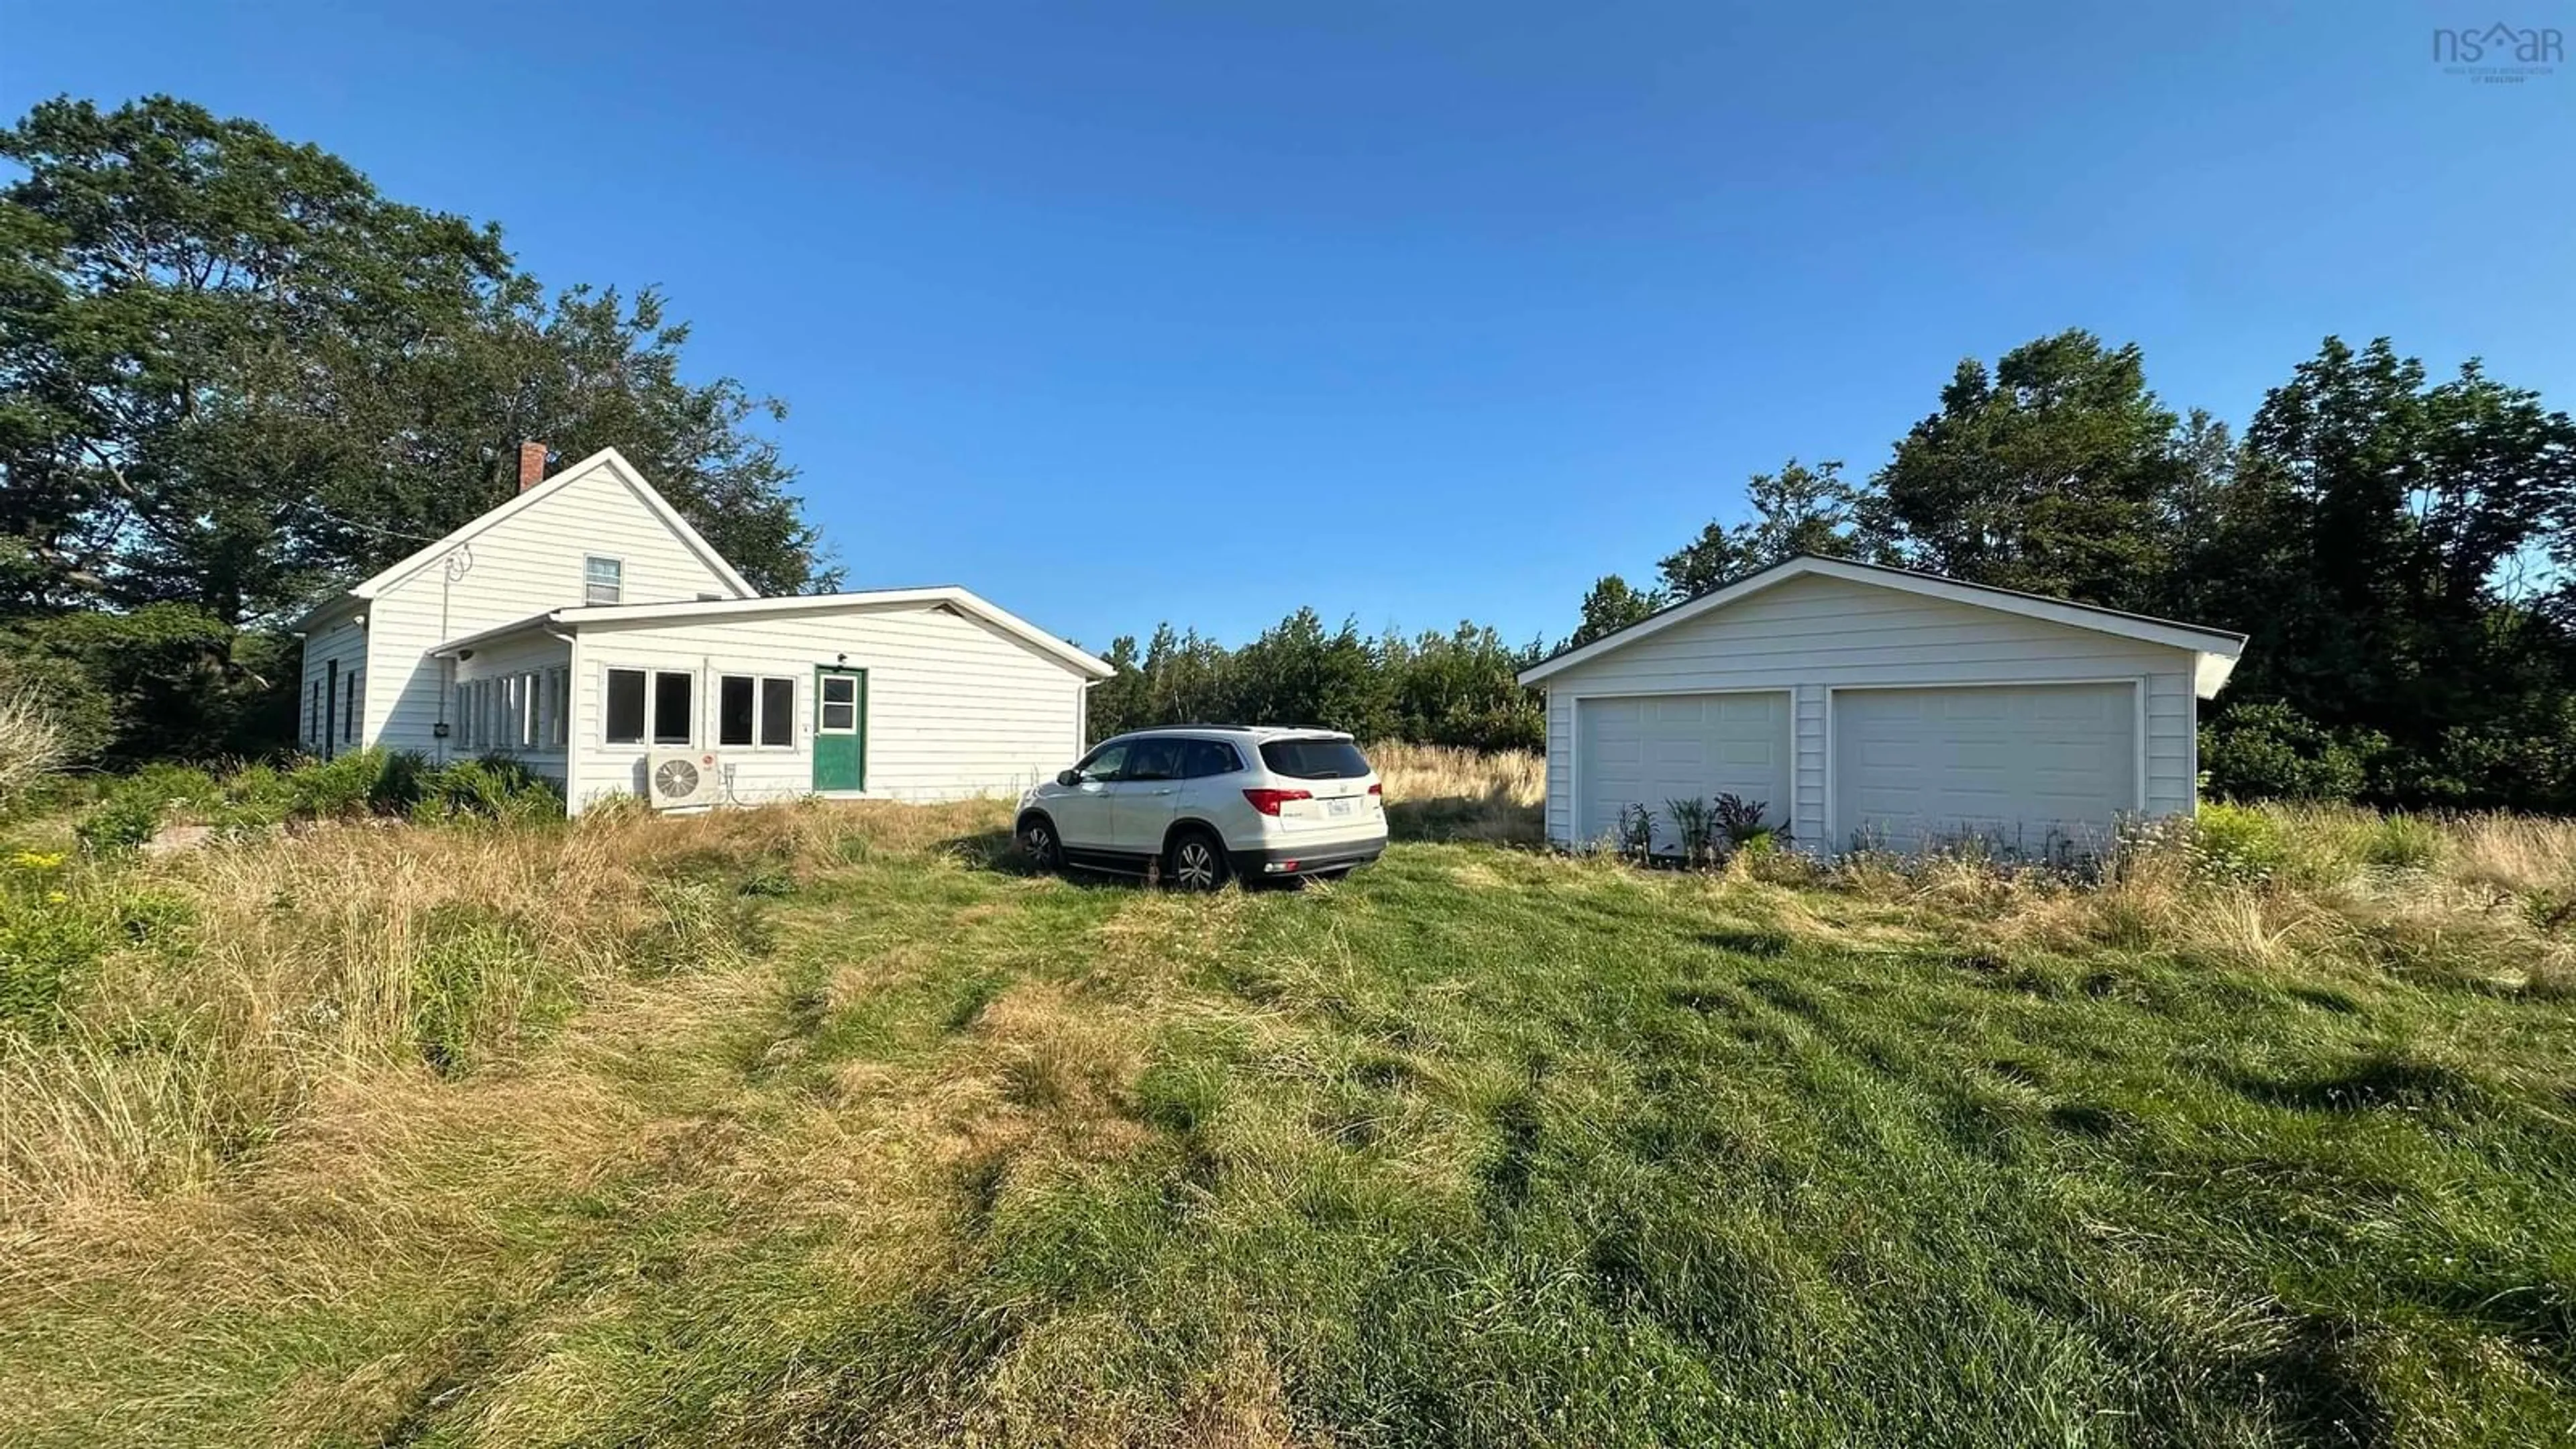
1648 750
2037 770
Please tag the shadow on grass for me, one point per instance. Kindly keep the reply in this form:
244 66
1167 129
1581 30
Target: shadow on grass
2375 1080
1746 941
1494 818
2324 1392
996 850
1000 852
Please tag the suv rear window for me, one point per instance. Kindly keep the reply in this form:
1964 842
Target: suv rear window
1314 759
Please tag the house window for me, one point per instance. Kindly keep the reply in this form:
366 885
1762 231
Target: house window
546 722
840 704
755 710
603 580
737 709
671 720
349 710
778 712
625 724
559 690
652 705
313 715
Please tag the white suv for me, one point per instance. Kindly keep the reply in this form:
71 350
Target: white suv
1205 802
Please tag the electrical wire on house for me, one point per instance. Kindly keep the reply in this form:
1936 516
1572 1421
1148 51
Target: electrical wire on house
323 519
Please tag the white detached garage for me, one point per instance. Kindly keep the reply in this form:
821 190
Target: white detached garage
1868 705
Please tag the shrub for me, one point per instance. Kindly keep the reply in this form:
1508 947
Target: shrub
134 807
1709 832
1696 826
1741 819
2271 751
1636 836
42 951
341 788
2404 842
495 787
2236 843
255 795
400 782
48 939
159 681
346 787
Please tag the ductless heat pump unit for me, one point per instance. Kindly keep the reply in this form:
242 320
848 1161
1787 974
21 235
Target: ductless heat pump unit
680 778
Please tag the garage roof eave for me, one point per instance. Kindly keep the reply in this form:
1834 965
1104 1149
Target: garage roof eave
2217 648
2209 675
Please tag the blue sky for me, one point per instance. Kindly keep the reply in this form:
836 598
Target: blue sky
1410 312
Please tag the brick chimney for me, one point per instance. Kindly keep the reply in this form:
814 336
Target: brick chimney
532 465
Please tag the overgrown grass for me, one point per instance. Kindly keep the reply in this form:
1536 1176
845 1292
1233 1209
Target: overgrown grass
32 747
817 1125
1434 792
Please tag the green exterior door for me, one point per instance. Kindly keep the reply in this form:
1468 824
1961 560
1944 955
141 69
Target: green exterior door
840 728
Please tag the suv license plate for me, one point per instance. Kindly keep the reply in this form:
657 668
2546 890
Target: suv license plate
1337 808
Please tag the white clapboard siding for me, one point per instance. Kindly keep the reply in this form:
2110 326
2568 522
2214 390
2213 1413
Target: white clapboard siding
337 639
955 707
1807 815
1814 633
523 564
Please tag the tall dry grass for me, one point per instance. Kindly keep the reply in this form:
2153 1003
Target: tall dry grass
2483 899
253 978
401 1079
1434 792
32 747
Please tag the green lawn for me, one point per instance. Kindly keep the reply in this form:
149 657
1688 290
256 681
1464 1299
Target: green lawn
1480 1147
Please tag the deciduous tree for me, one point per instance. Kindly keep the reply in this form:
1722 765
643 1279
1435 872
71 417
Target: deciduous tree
2055 473
1796 510
1611 607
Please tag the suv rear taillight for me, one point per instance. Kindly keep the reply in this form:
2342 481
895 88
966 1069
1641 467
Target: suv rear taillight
1377 789
1269 801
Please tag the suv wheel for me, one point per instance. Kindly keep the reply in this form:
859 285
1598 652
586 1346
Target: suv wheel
1195 862
1037 837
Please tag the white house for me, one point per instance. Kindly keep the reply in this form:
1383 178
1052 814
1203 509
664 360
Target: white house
1879 706
586 629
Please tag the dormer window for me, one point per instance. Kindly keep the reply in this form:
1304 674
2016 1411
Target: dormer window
603 580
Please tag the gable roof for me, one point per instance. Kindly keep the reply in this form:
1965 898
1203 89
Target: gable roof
2217 648
960 600
607 458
